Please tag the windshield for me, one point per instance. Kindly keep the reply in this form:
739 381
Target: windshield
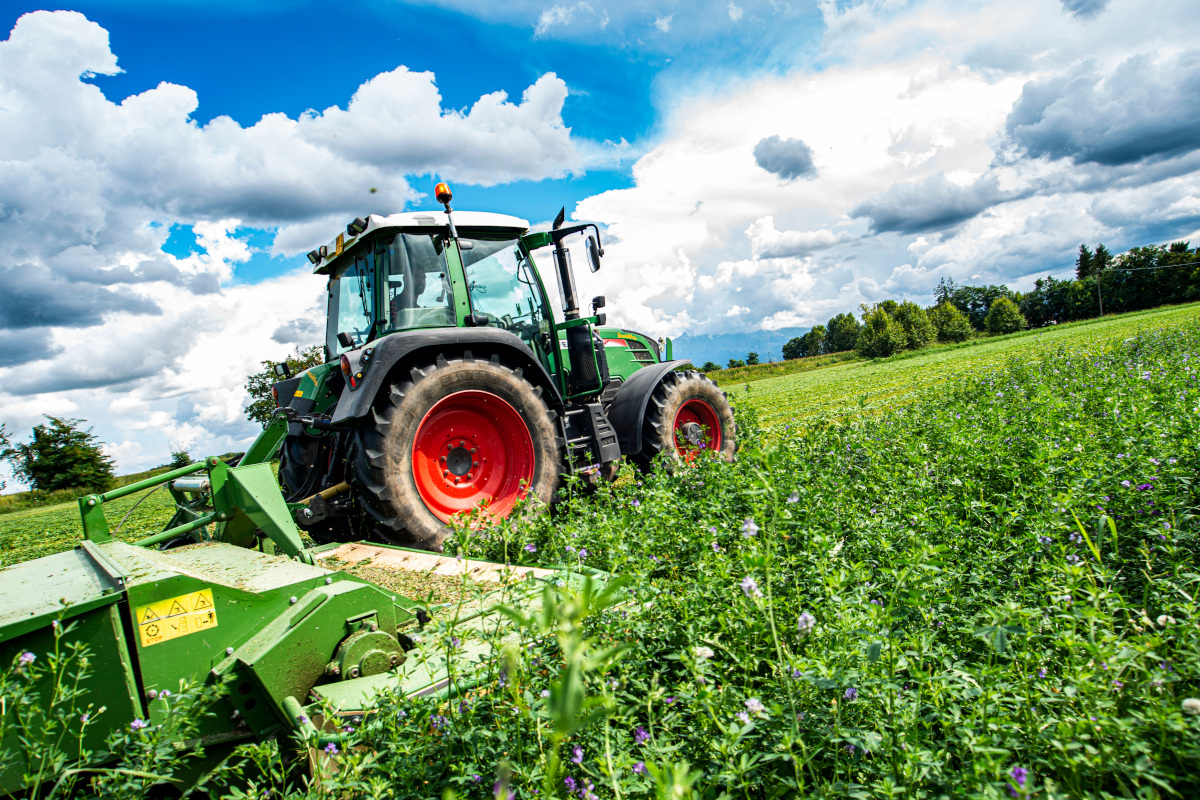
502 287
418 289
351 305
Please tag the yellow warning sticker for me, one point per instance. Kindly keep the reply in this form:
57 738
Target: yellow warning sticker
623 335
341 242
178 616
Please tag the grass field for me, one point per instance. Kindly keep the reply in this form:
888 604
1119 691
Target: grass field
842 388
980 581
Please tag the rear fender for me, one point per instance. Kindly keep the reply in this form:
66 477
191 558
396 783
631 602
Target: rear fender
628 408
393 355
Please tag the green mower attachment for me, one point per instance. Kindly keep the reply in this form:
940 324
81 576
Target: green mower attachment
294 639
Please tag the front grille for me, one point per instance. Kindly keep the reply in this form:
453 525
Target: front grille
640 352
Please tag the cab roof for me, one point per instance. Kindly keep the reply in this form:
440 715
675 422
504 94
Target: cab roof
473 220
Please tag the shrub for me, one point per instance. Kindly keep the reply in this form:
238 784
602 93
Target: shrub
710 366
61 456
1004 317
918 330
881 335
950 324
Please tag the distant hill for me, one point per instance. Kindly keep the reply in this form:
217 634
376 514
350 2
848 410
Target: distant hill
720 347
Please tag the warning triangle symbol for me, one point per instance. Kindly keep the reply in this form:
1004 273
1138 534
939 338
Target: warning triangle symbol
149 616
201 603
176 608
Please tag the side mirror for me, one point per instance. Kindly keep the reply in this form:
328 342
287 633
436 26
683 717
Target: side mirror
593 253
283 371
346 340
476 321
598 302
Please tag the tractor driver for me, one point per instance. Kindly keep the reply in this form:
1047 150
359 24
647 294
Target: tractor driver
407 297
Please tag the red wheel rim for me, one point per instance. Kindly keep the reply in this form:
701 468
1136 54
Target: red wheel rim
472 447
696 412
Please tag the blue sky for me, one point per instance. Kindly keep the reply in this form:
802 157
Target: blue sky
755 165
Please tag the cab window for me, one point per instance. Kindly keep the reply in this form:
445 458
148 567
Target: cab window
503 288
418 292
351 305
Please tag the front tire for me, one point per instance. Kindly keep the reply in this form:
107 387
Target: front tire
687 414
450 436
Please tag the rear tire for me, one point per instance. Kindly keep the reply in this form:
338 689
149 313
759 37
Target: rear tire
687 413
451 435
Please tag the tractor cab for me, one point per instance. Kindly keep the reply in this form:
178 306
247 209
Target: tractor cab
413 271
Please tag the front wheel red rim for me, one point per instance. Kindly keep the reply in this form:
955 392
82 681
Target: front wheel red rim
472 447
696 427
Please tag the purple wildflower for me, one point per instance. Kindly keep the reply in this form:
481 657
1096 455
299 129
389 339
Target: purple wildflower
805 623
139 724
331 749
749 528
529 548
1019 776
583 552
744 717
26 658
750 587
716 547
640 767
794 497
635 503
577 755
641 735
851 693
1125 484
754 706
569 782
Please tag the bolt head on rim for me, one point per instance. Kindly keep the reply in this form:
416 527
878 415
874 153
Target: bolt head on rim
472 447
696 427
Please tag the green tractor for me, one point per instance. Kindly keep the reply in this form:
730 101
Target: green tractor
449 384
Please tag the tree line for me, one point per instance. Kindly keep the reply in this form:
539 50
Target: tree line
1141 278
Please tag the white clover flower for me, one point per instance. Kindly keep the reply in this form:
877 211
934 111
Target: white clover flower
749 528
755 706
701 652
750 587
1191 705
1165 619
